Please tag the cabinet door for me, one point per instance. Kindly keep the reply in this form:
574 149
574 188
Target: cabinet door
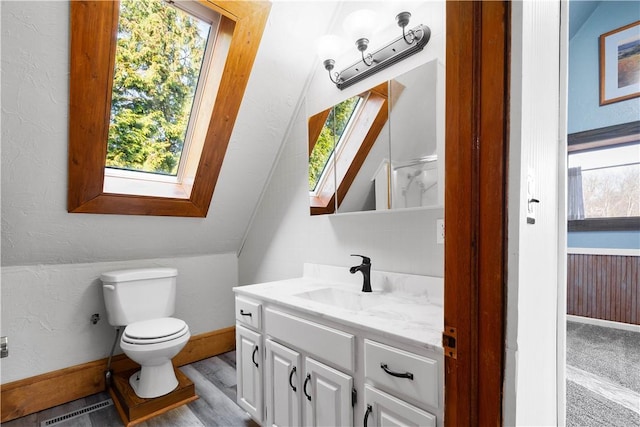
327 393
282 392
382 409
249 371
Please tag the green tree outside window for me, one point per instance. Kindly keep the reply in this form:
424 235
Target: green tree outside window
159 54
332 130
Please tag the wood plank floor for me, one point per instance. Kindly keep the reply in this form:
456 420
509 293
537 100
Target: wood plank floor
215 381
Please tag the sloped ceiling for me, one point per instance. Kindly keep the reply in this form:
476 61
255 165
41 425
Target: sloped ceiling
36 228
579 12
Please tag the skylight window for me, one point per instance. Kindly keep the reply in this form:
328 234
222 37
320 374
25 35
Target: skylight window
232 40
160 61
339 140
335 127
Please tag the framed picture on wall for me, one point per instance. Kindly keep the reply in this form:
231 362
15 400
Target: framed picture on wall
620 64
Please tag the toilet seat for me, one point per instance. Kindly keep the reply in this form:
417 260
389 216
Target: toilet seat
154 331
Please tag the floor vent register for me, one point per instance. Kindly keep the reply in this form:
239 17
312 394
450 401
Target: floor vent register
77 413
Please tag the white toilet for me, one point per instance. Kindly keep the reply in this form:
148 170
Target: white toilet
142 300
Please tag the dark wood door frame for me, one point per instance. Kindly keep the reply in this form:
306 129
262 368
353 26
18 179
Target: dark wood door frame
477 90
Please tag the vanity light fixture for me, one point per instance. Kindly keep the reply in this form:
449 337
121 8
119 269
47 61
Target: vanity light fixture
360 24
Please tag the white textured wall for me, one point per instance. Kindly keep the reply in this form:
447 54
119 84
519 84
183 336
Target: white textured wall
46 309
531 366
284 235
51 258
36 227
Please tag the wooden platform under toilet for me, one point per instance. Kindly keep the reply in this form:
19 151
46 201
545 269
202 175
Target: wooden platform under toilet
134 409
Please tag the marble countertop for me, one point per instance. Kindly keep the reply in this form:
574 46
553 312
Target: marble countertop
404 312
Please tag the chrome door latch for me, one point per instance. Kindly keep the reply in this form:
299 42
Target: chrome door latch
449 337
4 347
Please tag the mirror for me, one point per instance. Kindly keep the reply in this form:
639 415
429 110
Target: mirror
382 149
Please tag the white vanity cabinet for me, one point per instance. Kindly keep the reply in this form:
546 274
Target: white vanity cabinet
402 375
249 357
328 395
327 367
283 389
299 386
382 409
324 392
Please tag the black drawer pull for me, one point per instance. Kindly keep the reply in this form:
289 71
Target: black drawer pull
242 312
293 371
304 387
396 374
366 414
253 356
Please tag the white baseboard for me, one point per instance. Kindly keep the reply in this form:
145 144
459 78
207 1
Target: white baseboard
603 323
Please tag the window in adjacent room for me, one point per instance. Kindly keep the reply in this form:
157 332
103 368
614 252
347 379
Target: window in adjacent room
604 184
610 180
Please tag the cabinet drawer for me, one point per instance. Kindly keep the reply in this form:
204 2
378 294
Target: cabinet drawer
389 367
387 410
249 312
322 341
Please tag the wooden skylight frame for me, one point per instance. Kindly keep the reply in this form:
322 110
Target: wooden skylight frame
93 43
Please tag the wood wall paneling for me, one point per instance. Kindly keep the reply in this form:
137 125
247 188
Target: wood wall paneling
604 287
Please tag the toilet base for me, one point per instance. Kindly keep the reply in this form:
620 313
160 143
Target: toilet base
134 409
154 381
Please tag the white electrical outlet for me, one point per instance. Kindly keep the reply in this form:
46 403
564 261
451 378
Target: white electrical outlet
440 231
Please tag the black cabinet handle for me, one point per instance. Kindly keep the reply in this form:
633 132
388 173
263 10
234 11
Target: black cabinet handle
304 387
253 356
408 375
242 312
366 414
293 371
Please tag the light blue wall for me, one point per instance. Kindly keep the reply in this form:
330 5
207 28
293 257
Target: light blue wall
604 239
584 110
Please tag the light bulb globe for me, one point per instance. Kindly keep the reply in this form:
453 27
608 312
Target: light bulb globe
360 24
329 46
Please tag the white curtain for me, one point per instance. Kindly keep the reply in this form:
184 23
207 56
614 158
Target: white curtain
576 201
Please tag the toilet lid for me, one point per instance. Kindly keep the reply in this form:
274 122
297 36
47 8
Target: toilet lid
154 330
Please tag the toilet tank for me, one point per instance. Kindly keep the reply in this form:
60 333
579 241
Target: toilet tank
139 294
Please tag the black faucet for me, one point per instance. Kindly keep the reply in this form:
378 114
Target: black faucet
365 268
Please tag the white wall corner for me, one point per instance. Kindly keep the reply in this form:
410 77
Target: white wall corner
533 254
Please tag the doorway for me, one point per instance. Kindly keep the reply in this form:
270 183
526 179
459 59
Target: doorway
603 246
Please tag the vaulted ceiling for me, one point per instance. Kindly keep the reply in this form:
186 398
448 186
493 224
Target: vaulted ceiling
579 12
36 227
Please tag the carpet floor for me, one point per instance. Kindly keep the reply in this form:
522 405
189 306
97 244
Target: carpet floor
603 376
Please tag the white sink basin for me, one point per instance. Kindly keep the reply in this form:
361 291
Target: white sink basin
344 299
